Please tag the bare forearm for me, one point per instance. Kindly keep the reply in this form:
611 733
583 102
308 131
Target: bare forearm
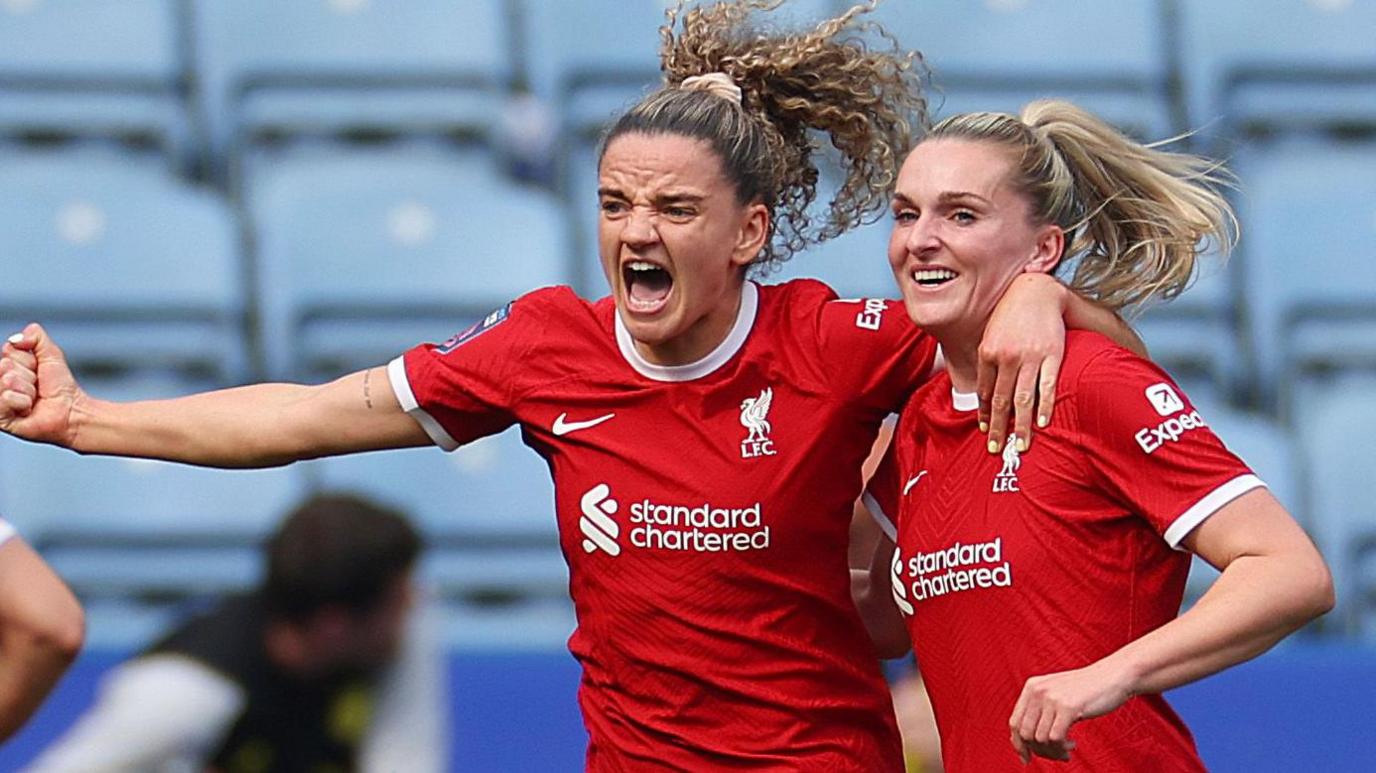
1255 603
264 425
240 427
1084 314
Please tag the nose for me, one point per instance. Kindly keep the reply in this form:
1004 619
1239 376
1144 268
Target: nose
922 237
640 228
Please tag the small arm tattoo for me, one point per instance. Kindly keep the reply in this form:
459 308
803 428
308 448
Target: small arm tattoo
367 389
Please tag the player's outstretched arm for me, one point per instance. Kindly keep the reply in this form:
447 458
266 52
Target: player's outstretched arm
263 425
41 632
1020 354
1273 582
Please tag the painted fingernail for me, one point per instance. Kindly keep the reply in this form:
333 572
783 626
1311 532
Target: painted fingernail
17 338
983 425
1042 421
993 446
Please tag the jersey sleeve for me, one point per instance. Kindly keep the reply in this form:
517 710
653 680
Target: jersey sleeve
871 351
882 493
1150 448
466 387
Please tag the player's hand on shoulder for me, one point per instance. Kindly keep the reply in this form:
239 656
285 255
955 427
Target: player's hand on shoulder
1051 703
37 390
1020 358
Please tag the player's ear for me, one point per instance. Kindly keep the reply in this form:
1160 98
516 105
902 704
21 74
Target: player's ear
753 234
1047 251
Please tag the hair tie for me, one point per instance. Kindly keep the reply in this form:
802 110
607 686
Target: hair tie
717 83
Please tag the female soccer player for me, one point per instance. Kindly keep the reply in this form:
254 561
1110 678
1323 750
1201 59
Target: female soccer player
705 433
1040 587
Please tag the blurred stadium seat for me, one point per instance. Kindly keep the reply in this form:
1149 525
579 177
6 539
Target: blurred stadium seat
320 67
494 490
1195 336
1310 259
128 267
1278 64
855 264
1000 54
1268 449
115 526
362 255
486 509
1339 441
93 69
592 58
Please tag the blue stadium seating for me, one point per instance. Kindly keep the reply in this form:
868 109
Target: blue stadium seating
1339 441
313 67
594 57
487 510
494 490
1268 449
854 264
1310 258
118 526
128 267
1195 336
1109 58
91 68
1278 63
362 255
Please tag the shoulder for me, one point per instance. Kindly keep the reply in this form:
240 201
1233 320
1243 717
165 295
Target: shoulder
1111 383
1093 358
226 639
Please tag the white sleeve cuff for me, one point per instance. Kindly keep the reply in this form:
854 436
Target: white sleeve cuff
6 531
1210 504
880 517
401 387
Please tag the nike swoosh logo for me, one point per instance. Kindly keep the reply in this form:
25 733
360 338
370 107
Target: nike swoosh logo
913 482
562 427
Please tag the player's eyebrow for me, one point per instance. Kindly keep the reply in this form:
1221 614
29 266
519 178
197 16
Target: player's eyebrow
679 197
948 197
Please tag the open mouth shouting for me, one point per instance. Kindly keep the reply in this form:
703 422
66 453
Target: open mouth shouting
648 286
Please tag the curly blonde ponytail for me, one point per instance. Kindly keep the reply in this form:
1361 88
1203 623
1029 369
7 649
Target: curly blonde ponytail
1136 217
826 79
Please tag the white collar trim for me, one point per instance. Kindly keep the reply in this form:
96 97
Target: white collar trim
735 339
964 401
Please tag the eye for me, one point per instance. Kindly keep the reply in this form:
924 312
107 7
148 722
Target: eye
963 216
612 207
905 216
679 213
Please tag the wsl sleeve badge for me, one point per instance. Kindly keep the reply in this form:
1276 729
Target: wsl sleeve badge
476 329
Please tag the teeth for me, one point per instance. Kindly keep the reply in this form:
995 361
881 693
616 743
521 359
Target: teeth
640 265
933 274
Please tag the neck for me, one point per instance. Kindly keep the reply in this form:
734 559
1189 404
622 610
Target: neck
960 350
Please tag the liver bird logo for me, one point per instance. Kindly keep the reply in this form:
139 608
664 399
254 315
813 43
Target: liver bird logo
755 415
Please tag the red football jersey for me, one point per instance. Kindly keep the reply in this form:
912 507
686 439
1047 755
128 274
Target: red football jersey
703 510
1019 565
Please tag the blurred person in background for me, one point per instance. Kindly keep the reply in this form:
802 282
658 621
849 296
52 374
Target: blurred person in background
41 630
705 433
326 666
1041 590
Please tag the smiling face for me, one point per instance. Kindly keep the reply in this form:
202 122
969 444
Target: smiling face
674 243
962 232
